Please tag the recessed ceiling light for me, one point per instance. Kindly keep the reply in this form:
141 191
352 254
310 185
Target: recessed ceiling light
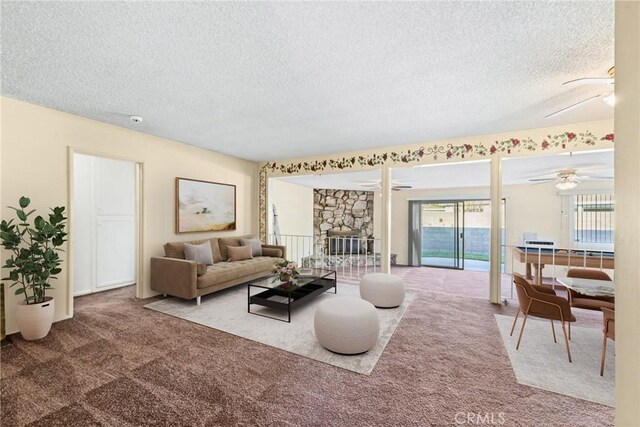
136 119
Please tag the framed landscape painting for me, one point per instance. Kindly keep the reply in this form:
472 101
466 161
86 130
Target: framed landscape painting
204 206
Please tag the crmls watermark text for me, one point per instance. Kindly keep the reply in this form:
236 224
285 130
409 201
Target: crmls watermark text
480 418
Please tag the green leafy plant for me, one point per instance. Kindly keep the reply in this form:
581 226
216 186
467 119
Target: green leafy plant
35 248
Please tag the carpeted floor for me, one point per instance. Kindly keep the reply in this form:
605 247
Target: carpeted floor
118 364
227 311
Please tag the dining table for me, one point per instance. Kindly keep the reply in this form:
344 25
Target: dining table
590 287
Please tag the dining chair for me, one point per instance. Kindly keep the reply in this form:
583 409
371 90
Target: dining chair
588 302
578 300
608 331
541 301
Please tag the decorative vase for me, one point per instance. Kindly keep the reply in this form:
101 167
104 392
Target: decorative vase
34 320
286 278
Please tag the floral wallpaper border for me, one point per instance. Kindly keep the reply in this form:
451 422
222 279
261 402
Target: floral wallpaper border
435 152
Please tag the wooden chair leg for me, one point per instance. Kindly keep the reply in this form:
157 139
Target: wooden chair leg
566 341
514 322
604 352
522 330
553 329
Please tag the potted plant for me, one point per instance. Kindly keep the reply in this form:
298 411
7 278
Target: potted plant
286 270
33 264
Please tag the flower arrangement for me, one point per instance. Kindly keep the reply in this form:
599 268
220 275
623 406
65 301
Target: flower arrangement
286 270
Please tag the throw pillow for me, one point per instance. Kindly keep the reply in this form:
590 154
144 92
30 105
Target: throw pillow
199 253
272 252
239 253
256 245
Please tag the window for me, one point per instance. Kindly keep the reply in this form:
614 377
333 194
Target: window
594 218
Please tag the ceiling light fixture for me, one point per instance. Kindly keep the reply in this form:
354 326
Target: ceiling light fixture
610 99
136 119
566 185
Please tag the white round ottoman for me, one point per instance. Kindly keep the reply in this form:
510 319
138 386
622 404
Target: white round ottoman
382 290
346 325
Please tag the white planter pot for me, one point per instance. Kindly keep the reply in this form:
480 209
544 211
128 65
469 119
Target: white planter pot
34 320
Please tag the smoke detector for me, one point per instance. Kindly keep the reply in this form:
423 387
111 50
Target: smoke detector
136 119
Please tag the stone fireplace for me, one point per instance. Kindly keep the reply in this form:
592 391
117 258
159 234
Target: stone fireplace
341 210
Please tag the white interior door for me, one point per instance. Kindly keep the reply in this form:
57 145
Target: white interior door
104 224
114 251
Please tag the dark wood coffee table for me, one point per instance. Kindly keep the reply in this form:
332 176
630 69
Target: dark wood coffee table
283 296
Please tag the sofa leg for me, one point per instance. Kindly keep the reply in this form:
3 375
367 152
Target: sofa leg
198 300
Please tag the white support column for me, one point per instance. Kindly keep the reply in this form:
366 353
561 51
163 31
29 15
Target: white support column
627 191
385 260
495 273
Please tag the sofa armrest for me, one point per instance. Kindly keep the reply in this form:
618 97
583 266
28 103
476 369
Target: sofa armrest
176 277
275 251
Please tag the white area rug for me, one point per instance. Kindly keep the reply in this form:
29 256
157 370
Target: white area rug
544 364
227 311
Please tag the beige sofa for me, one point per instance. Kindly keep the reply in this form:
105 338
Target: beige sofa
176 276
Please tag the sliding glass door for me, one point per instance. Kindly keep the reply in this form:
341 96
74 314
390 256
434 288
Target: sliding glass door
451 233
442 240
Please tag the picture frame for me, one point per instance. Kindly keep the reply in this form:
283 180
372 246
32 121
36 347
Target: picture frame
202 206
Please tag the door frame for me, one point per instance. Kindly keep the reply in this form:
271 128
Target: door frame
139 218
461 202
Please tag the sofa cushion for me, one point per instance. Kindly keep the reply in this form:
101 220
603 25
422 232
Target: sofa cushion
239 253
200 253
224 242
176 249
272 252
256 245
265 263
201 269
222 272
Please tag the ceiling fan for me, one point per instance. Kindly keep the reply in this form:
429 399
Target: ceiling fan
377 185
566 179
608 96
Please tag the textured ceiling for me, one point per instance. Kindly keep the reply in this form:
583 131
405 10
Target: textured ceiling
470 174
275 80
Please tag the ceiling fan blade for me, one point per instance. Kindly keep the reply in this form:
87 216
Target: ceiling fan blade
590 81
595 177
543 182
572 106
400 187
543 179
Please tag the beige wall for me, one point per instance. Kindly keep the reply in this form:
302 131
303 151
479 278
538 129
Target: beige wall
294 204
35 145
627 162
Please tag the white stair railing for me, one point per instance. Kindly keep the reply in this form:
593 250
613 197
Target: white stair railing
351 257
